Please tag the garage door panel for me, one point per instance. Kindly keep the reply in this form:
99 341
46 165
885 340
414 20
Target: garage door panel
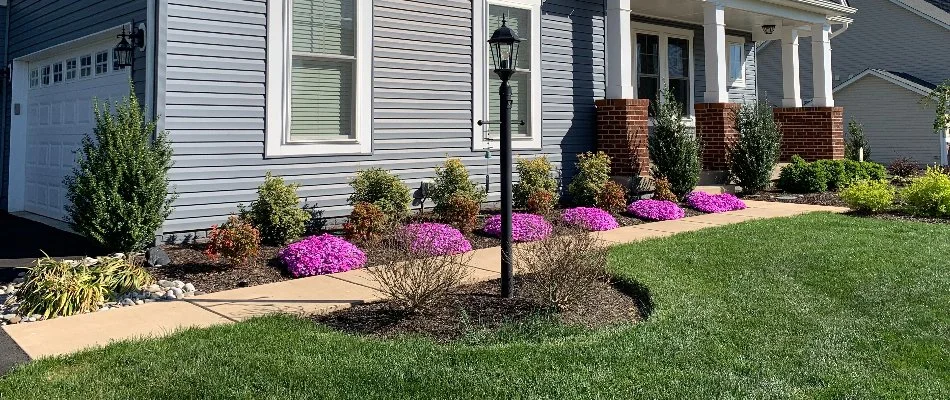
60 115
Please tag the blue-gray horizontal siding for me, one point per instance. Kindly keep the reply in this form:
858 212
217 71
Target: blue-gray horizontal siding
39 24
422 102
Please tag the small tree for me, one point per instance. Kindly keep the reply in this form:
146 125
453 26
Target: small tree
118 191
856 141
940 99
752 158
673 148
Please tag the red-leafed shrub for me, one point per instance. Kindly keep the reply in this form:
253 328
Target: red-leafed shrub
237 241
613 198
461 211
367 223
540 202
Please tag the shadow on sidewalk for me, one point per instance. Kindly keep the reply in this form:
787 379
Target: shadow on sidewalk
23 240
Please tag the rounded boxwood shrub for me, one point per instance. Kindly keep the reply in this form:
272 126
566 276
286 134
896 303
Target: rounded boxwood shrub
435 239
714 203
803 177
869 196
656 210
320 255
385 190
524 227
276 213
593 174
535 181
928 195
589 218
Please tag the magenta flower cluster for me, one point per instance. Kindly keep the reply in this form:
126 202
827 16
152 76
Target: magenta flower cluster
524 227
656 210
319 255
714 203
589 218
435 239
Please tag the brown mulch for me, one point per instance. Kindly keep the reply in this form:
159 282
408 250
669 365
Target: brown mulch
478 308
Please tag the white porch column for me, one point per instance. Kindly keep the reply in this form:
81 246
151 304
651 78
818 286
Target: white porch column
791 77
619 51
821 56
714 24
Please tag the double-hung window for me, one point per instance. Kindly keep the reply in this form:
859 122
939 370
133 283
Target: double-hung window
736 61
664 60
524 17
319 77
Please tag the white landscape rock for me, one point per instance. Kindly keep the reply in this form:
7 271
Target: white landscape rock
189 287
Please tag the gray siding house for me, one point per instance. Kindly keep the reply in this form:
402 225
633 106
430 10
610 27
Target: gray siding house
315 90
894 53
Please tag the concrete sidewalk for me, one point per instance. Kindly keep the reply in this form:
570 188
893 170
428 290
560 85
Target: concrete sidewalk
310 295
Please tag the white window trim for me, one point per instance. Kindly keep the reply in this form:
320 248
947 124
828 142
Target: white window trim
741 81
482 94
279 58
665 33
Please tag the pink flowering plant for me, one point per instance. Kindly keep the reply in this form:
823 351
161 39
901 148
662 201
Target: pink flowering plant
435 239
524 227
589 218
714 203
320 255
656 210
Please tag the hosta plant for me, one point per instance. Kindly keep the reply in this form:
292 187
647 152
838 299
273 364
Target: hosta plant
434 239
656 210
714 203
589 218
320 255
237 241
524 227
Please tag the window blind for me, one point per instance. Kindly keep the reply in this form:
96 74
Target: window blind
519 20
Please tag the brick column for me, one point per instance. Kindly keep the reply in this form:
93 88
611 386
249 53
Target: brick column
622 131
715 129
814 133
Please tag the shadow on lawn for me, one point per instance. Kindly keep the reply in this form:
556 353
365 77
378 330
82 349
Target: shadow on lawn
640 294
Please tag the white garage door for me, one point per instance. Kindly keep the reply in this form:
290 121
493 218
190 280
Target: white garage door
60 103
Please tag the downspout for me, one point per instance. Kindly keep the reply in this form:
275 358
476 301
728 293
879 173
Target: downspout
3 106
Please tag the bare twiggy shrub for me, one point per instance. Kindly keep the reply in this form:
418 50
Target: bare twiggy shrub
560 270
413 280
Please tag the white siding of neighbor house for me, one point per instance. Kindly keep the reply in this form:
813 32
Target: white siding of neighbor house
895 124
884 36
214 100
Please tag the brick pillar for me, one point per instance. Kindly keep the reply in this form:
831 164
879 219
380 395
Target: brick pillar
814 133
622 131
715 129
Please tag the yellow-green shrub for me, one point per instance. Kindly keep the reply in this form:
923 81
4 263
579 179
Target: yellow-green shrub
869 196
928 195
534 178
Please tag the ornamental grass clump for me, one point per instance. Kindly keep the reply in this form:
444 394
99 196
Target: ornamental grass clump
524 227
320 255
656 210
714 203
590 218
434 239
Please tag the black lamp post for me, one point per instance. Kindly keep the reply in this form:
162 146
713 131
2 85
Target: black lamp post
504 51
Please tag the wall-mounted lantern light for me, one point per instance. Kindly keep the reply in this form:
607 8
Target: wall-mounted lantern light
124 52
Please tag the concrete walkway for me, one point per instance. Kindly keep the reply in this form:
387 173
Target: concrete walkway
309 295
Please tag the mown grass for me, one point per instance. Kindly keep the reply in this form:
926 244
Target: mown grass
818 306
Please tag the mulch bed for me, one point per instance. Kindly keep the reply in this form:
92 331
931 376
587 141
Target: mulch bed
478 308
190 264
833 199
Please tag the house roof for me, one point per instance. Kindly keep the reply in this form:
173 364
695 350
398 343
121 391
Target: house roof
941 4
937 11
904 80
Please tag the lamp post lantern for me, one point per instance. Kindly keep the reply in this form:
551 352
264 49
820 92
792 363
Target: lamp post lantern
504 45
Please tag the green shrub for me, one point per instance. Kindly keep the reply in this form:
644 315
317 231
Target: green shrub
803 177
385 190
535 177
237 241
58 288
753 157
118 192
928 195
276 213
674 150
452 179
613 198
855 141
367 223
593 173
869 196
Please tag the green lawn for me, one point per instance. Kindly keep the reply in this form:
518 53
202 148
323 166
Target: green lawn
819 306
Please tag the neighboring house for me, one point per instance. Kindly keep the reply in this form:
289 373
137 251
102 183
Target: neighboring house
894 54
314 90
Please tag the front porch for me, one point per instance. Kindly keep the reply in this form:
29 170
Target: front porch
704 52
